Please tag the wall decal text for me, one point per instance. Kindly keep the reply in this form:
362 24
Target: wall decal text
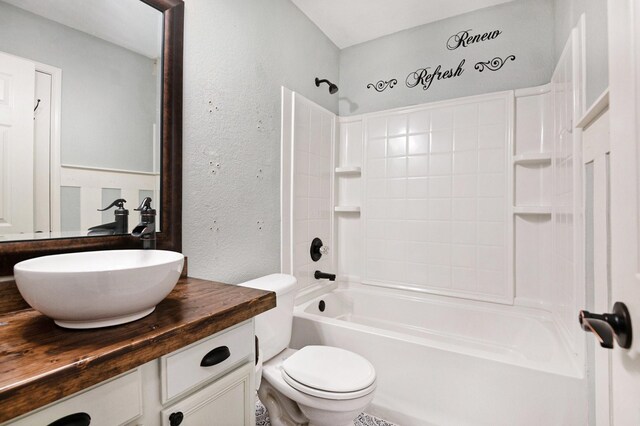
465 38
424 76
494 64
382 85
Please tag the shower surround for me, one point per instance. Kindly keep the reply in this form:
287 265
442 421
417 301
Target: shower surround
454 230
436 193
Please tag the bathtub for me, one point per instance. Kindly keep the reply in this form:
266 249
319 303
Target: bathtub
447 361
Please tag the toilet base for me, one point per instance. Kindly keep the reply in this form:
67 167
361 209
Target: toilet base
323 418
283 411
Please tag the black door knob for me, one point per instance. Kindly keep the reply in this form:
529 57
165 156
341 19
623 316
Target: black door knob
607 327
176 418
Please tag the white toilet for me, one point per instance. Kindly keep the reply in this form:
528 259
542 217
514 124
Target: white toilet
318 385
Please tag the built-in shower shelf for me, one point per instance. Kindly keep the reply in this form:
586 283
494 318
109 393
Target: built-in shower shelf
347 209
349 170
533 158
532 210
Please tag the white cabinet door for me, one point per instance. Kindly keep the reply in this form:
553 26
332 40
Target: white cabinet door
17 89
229 401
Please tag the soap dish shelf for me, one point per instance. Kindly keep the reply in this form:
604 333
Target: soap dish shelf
532 210
533 158
347 209
349 170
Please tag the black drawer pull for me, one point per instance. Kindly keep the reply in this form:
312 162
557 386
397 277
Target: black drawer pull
216 356
75 419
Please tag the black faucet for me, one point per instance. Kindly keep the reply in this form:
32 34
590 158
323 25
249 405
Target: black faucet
120 225
146 229
323 275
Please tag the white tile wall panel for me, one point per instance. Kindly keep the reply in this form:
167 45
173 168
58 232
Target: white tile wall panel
418 144
441 118
377 127
492 112
566 189
436 198
312 209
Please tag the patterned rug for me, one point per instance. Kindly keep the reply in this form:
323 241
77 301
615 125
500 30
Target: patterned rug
364 419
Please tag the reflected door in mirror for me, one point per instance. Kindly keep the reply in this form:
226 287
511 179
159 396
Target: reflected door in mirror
17 88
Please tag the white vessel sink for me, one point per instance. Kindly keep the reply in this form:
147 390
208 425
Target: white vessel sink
100 288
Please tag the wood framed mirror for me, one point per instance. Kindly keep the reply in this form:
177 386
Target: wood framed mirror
170 204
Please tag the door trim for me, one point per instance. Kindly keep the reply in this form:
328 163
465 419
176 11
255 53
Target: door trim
54 157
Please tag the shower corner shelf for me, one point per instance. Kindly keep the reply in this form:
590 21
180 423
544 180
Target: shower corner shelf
532 158
349 170
347 209
539 210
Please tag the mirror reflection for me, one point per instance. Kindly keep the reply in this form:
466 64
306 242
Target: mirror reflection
80 110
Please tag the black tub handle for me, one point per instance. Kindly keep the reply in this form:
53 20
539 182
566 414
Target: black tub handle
216 356
75 419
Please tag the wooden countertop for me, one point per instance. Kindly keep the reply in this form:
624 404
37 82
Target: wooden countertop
41 362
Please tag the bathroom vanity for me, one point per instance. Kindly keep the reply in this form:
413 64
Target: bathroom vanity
192 358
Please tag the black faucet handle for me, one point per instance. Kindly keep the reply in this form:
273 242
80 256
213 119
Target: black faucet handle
144 205
119 203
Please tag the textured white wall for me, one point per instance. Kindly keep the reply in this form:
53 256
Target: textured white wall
237 55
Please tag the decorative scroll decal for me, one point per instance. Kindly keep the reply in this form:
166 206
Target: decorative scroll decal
464 38
382 85
424 76
495 64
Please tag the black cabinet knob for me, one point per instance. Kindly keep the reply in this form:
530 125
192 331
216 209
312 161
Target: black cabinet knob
216 356
176 418
608 327
75 419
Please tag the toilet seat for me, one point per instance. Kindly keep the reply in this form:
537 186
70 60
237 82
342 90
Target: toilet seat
329 372
324 394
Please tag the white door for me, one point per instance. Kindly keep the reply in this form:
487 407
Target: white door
17 88
595 141
624 185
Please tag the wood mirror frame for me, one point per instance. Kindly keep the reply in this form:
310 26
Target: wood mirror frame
170 236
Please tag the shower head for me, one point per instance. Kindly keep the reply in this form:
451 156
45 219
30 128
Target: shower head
332 87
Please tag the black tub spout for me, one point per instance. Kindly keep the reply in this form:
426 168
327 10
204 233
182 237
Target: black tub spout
324 276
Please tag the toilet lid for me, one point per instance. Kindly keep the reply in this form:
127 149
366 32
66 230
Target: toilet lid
329 369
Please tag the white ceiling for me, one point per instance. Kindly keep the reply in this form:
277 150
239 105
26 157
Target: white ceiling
127 23
349 22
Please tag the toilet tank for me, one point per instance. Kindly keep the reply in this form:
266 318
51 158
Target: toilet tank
273 327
